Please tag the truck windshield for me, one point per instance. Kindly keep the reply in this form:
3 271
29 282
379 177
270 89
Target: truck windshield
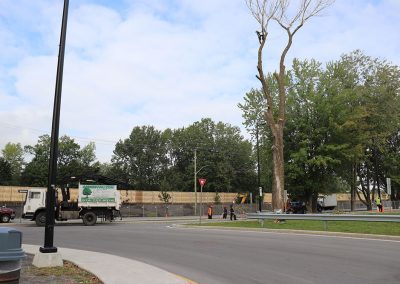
34 195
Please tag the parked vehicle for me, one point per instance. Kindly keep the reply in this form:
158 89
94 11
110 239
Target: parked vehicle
6 214
326 202
296 207
94 200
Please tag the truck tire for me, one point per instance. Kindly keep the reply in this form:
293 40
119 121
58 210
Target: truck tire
89 218
5 218
41 219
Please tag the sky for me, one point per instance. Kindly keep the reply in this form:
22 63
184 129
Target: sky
166 63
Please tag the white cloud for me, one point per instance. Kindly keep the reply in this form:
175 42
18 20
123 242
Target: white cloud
158 63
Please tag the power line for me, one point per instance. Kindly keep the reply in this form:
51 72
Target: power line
41 131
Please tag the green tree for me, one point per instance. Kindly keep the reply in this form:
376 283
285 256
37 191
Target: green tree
364 98
13 153
150 157
5 172
222 155
141 158
71 160
311 155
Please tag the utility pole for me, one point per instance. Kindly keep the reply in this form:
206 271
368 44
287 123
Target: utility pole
51 187
195 181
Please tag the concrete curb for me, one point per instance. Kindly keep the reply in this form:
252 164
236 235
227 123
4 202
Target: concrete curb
113 269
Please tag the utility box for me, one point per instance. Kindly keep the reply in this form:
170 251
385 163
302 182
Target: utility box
11 255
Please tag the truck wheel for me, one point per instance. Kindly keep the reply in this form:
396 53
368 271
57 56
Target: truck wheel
5 218
89 218
40 219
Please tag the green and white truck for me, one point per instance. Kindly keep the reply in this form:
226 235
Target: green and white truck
94 201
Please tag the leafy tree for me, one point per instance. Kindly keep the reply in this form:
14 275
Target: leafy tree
71 160
310 154
364 95
13 153
5 172
36 171
149 158
341 126
164 196
141 158
222 155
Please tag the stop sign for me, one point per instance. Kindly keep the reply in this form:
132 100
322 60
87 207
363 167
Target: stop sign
202 181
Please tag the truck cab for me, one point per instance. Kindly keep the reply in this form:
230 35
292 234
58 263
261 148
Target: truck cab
326 202
35 202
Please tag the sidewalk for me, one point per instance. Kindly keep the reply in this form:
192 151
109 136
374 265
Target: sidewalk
114 269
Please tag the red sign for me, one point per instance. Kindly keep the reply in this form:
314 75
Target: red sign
202 181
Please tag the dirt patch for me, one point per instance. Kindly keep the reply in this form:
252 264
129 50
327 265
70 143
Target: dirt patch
69 274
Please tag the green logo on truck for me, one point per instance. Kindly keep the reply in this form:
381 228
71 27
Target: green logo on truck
97 193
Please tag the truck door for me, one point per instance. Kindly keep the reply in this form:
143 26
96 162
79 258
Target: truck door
34 200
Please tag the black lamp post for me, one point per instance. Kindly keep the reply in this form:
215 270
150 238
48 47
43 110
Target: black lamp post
51 187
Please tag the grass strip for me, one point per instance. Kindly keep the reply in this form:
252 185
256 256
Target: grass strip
69 270
360 227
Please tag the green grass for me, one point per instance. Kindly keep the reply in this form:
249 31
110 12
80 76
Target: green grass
377 228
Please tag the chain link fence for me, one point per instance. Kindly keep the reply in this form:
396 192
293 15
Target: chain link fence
161 210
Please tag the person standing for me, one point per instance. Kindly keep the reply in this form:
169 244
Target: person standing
379 204
210 212
225 213
232 211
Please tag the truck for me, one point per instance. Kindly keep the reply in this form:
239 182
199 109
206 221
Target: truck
93 201
326 202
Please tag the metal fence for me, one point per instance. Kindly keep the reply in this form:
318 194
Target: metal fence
344 206
323 217
160 210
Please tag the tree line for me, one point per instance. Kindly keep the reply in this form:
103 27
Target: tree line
341 135
149 159
342 127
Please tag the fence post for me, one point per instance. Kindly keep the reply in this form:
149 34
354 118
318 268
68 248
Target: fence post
325 225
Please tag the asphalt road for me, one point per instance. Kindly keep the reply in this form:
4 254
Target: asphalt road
231 256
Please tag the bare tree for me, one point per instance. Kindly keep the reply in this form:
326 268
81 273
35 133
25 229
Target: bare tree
291 20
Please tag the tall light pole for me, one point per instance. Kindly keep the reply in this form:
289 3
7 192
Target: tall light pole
51 187
195 182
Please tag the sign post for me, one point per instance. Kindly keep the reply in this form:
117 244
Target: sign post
202 182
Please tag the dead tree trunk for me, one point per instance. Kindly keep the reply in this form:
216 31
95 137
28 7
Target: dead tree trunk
278 10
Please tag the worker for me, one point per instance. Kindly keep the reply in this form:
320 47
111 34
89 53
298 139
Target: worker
232 211
378 203
225 213
210 212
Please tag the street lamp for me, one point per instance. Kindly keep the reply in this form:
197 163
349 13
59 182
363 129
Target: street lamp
258 169
51 187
